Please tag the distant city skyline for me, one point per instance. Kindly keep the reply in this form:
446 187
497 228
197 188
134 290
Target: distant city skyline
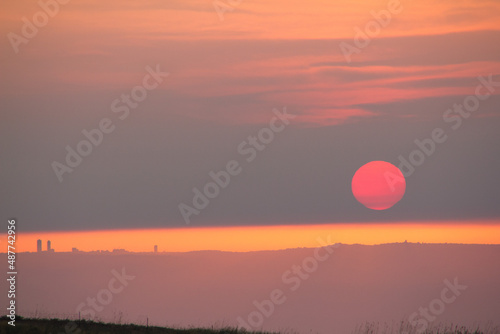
39 246
76 250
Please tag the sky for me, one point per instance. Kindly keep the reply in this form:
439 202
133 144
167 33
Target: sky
210 76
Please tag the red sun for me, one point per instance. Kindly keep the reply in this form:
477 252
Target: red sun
378 185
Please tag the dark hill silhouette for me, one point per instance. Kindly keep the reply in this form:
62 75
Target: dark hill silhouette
355 284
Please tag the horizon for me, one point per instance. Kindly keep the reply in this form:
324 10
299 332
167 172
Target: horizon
254 238
120 251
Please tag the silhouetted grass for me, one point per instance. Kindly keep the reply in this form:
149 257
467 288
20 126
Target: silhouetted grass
58 326
405 327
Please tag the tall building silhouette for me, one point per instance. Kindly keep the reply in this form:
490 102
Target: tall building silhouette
48 246
39 245
156 248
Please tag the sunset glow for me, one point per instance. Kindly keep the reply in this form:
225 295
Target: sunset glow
239 239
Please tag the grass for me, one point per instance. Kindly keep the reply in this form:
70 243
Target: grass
58 326
406 328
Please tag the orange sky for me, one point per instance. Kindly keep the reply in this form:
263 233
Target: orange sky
197 19
262 238
87 37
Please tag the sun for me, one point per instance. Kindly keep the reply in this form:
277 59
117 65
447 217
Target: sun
378 185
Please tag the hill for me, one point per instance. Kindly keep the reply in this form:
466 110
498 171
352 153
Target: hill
328 290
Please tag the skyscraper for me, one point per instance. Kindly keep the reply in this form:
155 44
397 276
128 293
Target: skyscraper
156 248
39 245
48 246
